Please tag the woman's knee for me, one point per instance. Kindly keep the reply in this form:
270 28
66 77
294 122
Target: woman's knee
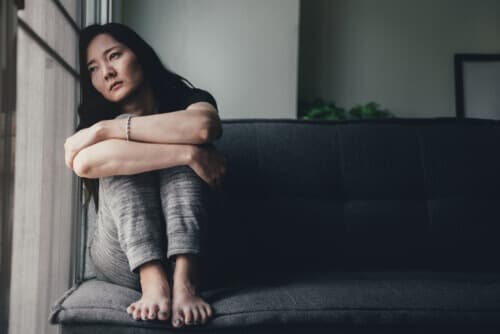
145 181
182 183
135 193
182 173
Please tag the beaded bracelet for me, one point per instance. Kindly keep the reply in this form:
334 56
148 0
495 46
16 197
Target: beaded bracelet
128 128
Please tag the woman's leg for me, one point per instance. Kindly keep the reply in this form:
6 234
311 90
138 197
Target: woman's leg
129 245
185 203
183 196
130 227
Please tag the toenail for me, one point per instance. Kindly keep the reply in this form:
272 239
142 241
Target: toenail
178 322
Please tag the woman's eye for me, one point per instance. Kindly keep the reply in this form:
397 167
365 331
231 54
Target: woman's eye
114 53
91 69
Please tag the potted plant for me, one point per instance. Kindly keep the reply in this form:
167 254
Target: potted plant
321 110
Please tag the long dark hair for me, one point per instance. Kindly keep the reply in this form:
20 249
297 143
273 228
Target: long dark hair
94 107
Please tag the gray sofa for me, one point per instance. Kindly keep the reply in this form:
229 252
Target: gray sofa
381 226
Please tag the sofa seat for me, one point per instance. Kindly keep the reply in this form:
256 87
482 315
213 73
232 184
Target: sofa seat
342 298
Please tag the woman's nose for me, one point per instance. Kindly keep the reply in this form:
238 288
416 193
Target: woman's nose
109 72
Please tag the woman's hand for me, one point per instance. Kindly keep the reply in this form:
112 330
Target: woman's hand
209 164
78 141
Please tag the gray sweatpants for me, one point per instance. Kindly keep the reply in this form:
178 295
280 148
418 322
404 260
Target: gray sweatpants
147 216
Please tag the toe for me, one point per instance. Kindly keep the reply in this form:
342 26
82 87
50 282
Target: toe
178 318
144 313
152 312
188 316
196 315
131 308
203 315
137 314
208 310
163 311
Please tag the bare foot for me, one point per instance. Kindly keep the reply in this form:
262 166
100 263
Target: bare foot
187 307
155 299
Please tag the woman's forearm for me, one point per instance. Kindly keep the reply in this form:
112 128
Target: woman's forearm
121 157
190 126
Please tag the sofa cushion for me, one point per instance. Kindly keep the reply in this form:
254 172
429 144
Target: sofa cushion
359 298
370 195
392 194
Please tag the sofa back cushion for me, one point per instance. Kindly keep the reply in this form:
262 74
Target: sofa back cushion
359 195
394 194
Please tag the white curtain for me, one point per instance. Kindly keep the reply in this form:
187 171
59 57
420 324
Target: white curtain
45 230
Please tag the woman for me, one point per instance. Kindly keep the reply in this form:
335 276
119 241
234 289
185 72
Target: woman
143 150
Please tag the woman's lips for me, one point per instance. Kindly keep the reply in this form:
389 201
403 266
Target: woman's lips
116 86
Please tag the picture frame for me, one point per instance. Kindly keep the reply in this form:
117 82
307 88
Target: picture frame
477 85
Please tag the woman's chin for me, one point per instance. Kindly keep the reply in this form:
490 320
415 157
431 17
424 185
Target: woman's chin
117 97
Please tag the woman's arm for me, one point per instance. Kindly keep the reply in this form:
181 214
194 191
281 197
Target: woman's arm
197 124
119 157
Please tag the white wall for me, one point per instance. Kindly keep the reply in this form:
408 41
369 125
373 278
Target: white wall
396 52
245 52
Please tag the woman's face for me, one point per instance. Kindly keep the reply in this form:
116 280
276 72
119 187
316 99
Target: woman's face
110 62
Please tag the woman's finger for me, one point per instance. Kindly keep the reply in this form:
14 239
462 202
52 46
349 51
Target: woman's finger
68 162
71 157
